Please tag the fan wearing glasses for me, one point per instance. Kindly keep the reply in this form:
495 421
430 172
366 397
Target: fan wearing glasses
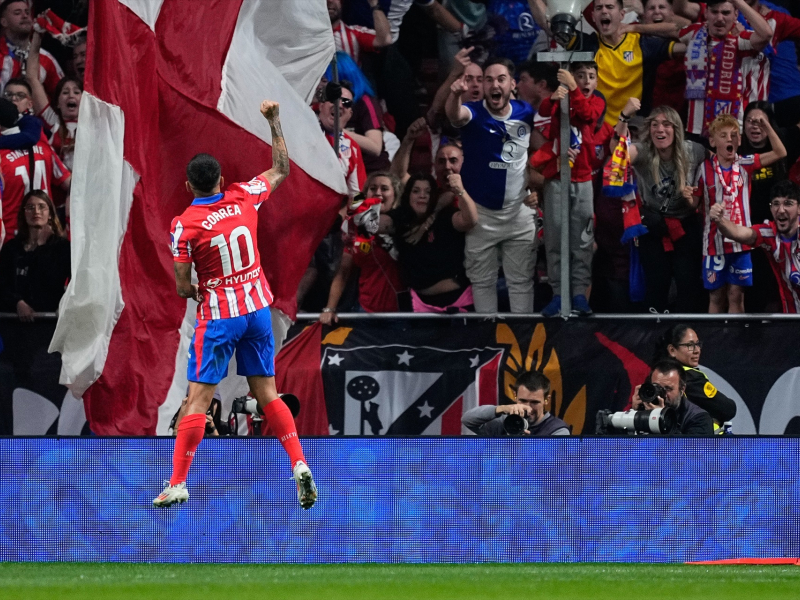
681 343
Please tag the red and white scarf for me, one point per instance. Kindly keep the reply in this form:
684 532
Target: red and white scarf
730 193
714 75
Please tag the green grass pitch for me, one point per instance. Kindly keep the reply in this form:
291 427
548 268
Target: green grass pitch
100 581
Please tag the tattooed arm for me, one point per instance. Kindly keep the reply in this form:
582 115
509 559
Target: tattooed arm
280 156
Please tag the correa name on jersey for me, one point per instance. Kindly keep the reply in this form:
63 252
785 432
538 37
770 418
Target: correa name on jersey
223 213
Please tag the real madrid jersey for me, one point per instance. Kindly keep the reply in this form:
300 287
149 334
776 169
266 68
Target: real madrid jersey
496 154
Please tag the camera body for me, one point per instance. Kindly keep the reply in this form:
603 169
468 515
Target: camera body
515 424
650 392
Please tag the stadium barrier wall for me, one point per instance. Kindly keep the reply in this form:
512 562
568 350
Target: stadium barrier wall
424 371
393 499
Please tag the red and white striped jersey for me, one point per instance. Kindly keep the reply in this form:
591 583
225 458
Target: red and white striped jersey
710 189
218 234
50 72
785 263
352 39
351 161
15 165
756 70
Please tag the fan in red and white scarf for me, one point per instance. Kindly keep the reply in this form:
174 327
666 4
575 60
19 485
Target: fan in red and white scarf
713 60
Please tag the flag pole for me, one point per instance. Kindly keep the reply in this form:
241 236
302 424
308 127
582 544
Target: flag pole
336 129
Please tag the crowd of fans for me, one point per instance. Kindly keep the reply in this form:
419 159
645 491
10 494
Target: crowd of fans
455 190
455 195
38 119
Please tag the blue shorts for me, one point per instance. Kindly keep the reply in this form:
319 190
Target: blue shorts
735 269
215 340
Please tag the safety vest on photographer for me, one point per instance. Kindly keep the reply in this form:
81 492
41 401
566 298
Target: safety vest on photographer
704 394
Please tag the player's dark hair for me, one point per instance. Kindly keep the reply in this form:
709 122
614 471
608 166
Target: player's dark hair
20 81
4 6
785 189
668 365
620 3
203 173
348 85
715 2
507 63
539 71
671 337
533 381
646 2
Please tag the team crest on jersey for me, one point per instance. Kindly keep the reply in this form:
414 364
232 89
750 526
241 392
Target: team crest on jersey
628 56
213 282
711 276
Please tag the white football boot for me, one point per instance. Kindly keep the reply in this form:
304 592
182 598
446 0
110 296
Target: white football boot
306 489
172 494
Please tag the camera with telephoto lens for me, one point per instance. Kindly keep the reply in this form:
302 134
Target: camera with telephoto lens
650 392
515 424
658 421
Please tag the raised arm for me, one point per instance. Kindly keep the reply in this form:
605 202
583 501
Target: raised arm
621 129
737 233
280 156
460 62
402 158
383 32
467 216
685 8
778 149
443 17
457 113
40 99
762 32
539 12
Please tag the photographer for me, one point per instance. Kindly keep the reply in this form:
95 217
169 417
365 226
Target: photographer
531 403
671 377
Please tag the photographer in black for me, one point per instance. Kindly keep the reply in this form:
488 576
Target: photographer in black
528 415
671 377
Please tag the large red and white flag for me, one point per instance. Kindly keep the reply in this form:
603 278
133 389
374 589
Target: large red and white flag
167 79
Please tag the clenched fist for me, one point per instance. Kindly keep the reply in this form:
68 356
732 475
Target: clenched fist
269 109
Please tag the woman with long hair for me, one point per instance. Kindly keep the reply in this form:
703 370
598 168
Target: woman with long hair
62 117
681 343
379 282
429 236
666 165
35 265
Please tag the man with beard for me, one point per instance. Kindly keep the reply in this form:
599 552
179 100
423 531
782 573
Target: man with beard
772 74
496 134
716 84
779 239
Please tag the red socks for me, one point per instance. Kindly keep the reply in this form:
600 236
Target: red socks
190 434
281 421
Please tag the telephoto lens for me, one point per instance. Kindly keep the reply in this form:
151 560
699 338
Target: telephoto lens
515 424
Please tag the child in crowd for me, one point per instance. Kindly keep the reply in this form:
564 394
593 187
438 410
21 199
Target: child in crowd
725 179
586 108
